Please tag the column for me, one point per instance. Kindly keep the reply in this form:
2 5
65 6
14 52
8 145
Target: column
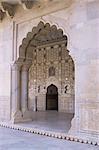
16 112
24 92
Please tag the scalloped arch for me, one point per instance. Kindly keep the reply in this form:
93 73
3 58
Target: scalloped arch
41 34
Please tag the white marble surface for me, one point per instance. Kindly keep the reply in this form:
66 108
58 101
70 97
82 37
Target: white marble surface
18 140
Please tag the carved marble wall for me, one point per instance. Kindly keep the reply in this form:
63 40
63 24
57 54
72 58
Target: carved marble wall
52 64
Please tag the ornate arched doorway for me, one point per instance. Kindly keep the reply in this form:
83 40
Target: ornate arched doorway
52 98
43 56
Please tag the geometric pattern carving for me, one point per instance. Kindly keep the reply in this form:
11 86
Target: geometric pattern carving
48 70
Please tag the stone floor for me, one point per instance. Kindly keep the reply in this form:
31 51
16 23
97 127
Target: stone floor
18 140
50 121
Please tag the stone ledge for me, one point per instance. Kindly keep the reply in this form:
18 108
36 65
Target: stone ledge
47 133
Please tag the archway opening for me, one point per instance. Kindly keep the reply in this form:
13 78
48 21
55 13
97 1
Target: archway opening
45 59
52 98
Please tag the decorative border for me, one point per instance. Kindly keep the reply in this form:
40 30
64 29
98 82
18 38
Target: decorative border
48 133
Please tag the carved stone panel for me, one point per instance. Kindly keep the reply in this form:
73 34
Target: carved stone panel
50 67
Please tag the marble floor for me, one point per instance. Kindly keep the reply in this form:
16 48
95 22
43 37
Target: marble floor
18 140
50 121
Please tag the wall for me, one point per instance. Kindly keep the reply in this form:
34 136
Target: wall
84 33
6 36
57 56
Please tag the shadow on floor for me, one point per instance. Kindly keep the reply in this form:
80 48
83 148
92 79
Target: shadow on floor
50 121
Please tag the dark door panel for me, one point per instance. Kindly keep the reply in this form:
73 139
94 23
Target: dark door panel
52 98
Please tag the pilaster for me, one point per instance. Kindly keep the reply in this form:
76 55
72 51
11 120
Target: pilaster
24 93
